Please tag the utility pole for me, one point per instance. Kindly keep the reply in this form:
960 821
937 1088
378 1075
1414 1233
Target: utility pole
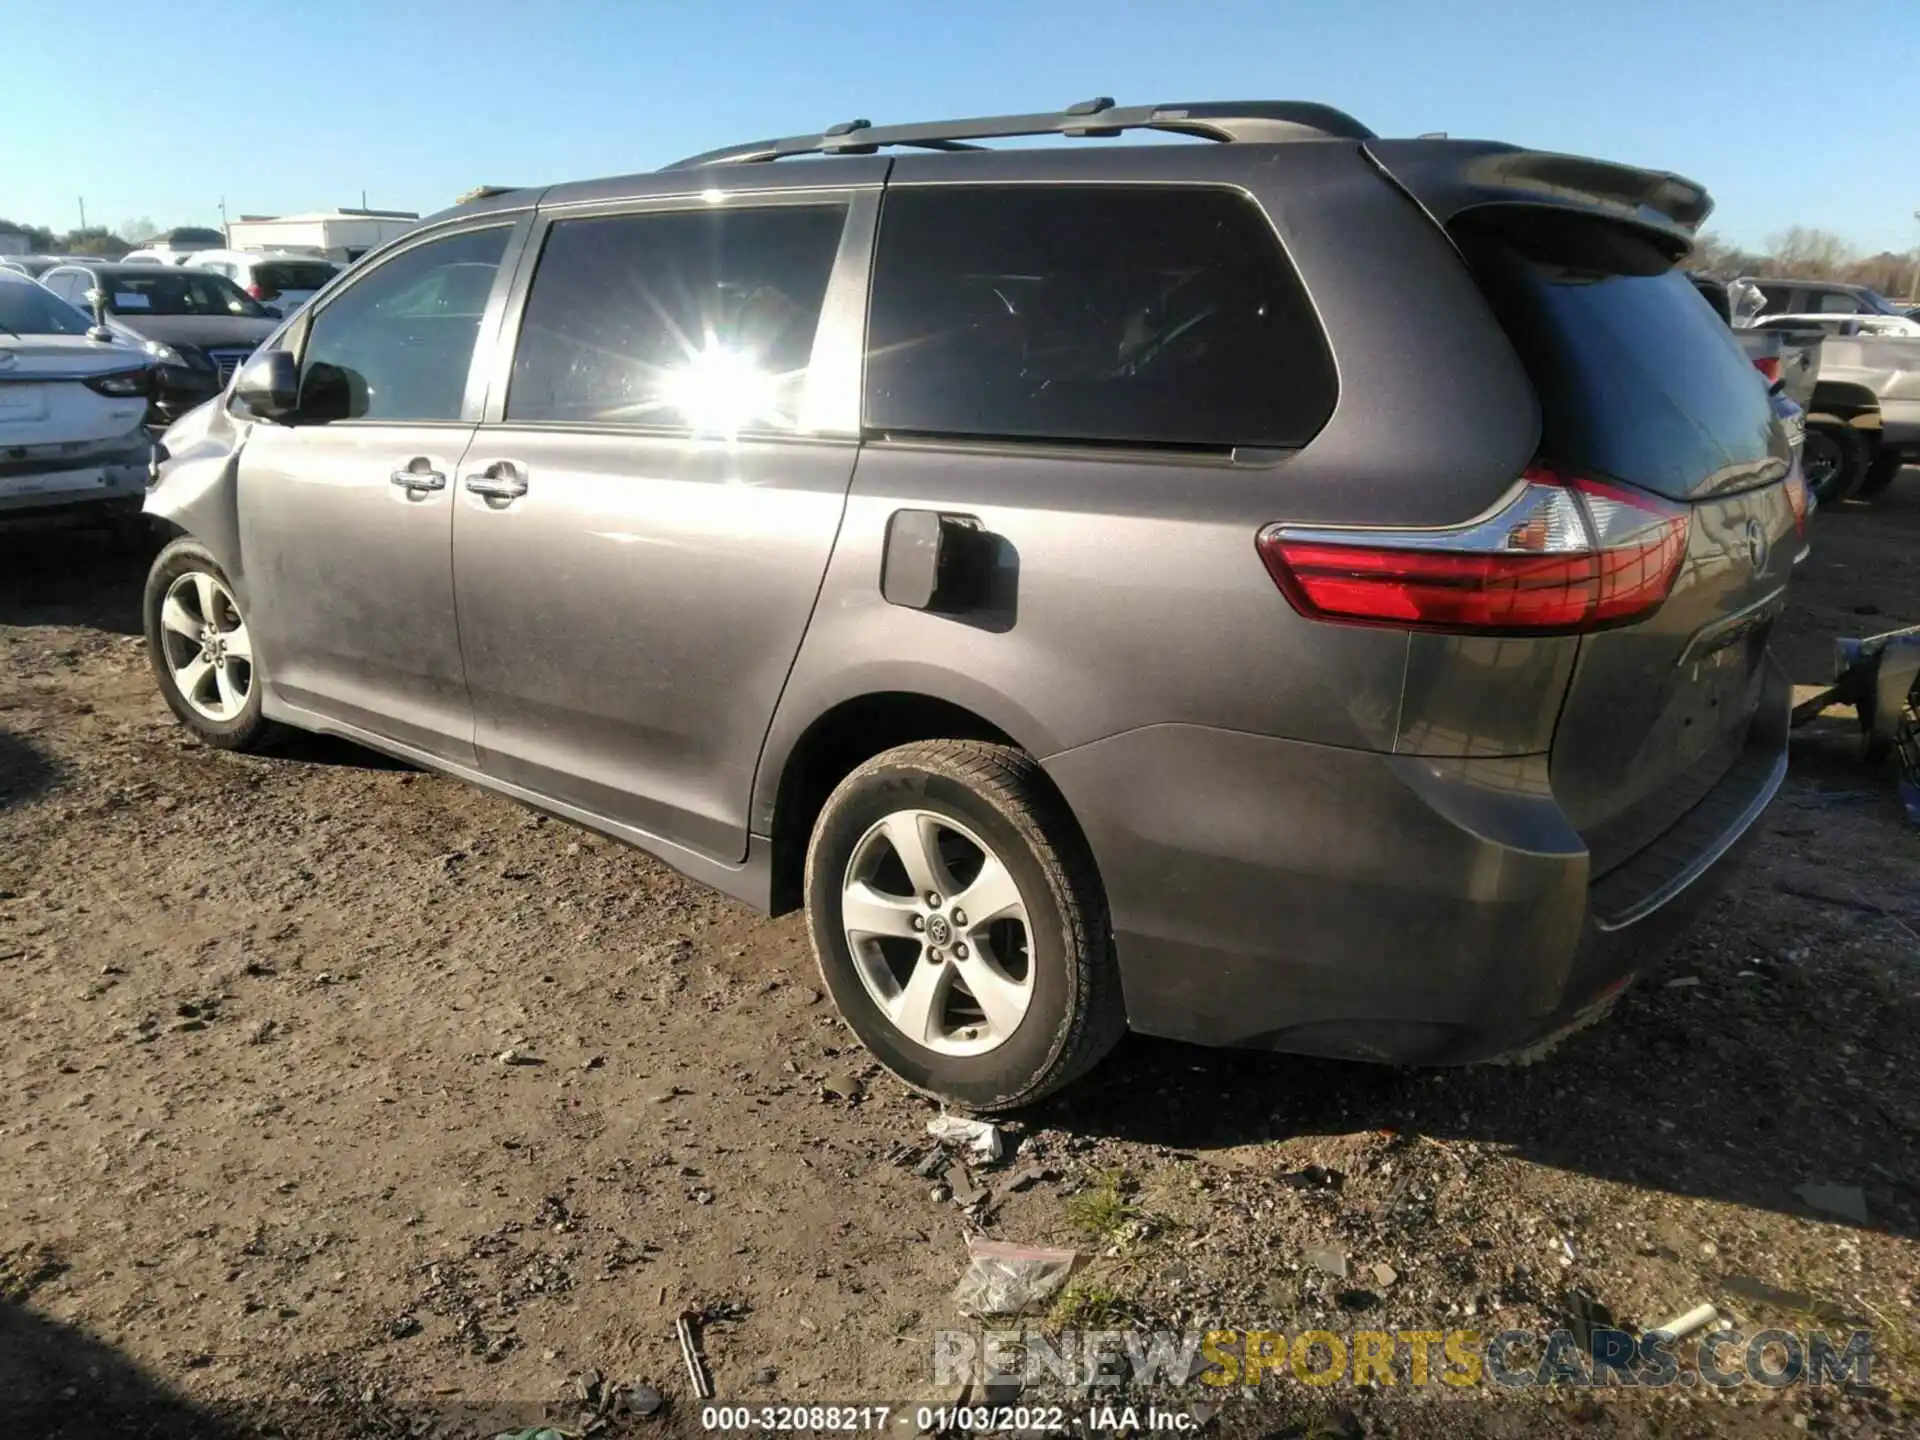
83 212
225 238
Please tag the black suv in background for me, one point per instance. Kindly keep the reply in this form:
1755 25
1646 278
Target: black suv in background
197 326
1308 590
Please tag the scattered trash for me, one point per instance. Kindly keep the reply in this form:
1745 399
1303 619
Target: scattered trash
1685 982
401 1326
690 1352
643 1400
932 1165
1027 1178
1846 1201
965 1191
1356 1299
1385 1276
1004 1279
1788 1302
518 1057
981 1137
765 1375
1333 1262
1681 1326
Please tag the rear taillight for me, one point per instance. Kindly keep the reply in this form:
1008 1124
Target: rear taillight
259 292
120 384
1564 554
1769 366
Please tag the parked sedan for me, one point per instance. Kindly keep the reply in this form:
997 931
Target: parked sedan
72 445
196 325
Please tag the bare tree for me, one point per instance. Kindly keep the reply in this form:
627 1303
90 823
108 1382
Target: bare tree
1809 253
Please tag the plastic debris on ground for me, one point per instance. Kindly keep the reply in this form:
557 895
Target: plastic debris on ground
981 1137
1006 1279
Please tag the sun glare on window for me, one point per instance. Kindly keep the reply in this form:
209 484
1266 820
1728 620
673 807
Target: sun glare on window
721 392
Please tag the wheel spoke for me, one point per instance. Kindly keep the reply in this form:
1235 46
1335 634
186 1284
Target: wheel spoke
192 676
914 840
1001 1000
208 595
239 644
174 617
918 1010
230 697
991 895
865 911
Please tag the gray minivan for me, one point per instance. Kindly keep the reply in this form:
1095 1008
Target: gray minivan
1306 590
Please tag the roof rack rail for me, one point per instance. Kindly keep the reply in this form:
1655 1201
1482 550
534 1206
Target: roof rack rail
1227 120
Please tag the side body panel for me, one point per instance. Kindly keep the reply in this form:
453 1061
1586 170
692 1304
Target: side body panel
1130 592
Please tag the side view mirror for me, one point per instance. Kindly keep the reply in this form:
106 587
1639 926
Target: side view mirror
269 386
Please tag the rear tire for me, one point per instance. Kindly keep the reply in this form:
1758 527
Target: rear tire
912 987
1880 474
1834 458
201 650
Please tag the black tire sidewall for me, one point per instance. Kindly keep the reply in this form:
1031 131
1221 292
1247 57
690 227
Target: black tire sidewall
1021 1063
183 557
1854 459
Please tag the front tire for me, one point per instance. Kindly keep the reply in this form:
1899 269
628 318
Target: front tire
201 650
987 1010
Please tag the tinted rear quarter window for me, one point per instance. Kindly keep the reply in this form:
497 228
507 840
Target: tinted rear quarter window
1142 316
700 320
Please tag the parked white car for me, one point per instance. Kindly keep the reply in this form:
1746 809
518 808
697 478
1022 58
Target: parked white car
73 445
273 277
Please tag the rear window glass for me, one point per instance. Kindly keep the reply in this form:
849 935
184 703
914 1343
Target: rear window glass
1637 379
27 309
1127 316
292 275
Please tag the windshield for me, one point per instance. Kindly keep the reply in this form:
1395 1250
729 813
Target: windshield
26 309
176 292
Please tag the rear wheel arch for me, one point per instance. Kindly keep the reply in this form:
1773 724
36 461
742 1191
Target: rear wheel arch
838 741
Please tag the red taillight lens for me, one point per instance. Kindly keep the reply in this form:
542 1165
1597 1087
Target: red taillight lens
1563 555
1769 366
258 292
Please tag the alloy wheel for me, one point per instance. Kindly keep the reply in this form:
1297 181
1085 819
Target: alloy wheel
939 933
208 650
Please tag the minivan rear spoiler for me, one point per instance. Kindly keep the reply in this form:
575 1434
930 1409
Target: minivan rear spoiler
1450 177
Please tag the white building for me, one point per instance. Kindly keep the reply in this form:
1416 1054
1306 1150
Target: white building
342 235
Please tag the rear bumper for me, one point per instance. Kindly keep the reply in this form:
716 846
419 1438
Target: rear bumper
59 483
1277 895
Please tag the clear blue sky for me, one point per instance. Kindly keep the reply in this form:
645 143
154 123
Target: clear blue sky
159 112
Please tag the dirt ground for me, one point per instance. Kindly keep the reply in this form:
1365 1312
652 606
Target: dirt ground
263 1168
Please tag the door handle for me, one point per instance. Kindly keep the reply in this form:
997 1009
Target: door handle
499 481
419 479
